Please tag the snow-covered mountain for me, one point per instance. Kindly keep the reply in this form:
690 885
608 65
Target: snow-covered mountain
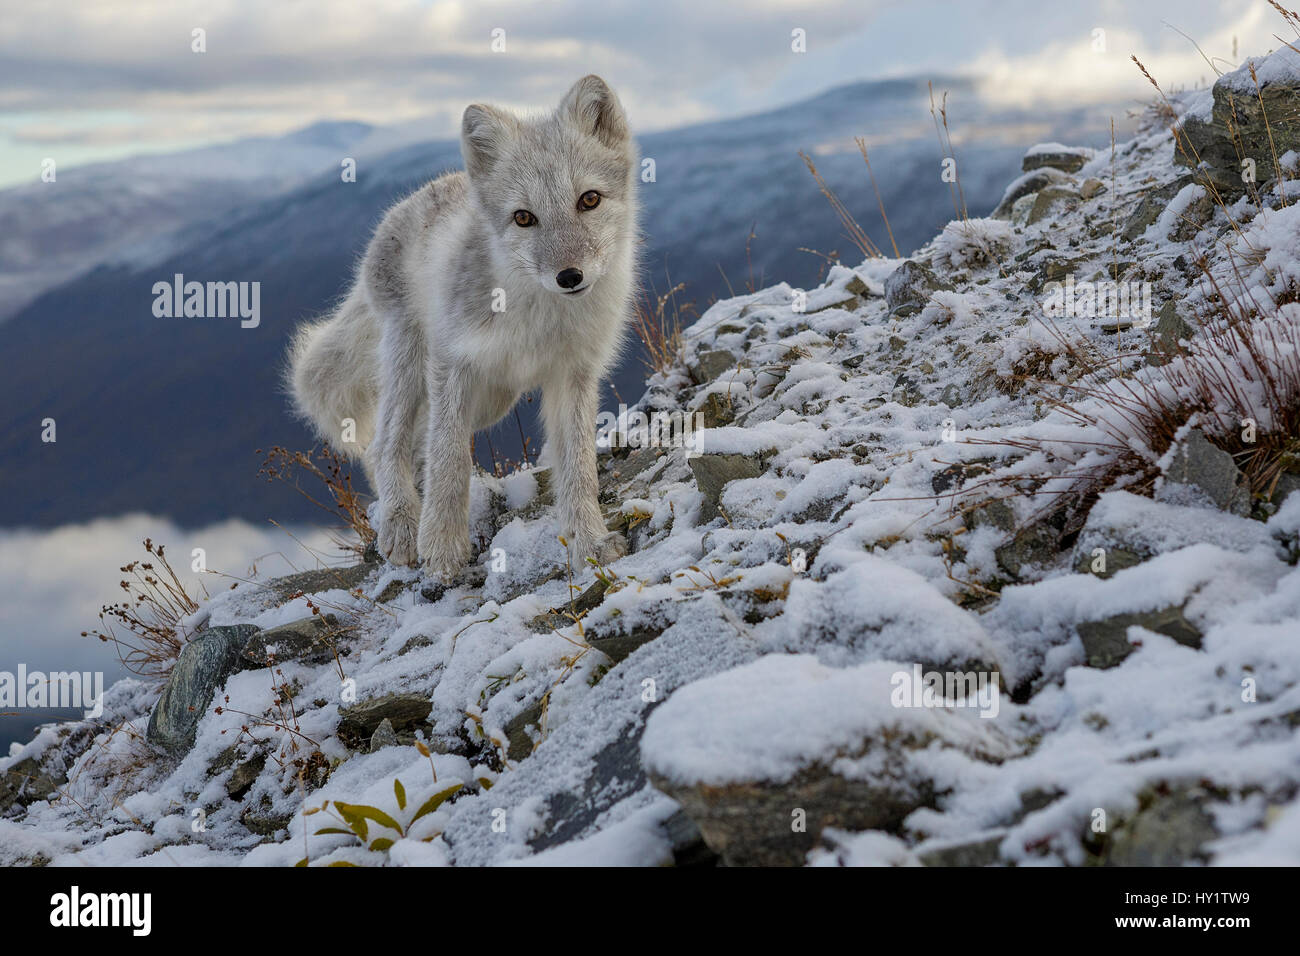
202 395
978 560
129 210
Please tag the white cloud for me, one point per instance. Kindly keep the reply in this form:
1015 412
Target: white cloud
53 582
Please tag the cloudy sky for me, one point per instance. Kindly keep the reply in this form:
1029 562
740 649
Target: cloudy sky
82 80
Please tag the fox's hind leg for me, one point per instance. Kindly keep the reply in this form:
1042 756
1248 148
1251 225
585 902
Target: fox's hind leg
401 392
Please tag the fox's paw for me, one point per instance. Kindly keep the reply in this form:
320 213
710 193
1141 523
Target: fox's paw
443 556
397 537
604 548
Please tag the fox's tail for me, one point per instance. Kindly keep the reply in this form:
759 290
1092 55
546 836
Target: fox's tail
332 376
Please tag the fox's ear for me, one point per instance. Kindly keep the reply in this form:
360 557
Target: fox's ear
483 130
593 106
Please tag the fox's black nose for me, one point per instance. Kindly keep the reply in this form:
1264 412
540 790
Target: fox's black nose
569 278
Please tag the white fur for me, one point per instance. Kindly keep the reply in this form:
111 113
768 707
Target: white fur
418 359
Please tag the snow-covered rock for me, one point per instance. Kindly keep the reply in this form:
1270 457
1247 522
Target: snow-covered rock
918 468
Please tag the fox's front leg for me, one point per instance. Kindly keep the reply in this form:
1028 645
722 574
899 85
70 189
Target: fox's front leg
444 518
393 455
569 415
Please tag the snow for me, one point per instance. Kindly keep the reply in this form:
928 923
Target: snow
724 729
783 625
1280 66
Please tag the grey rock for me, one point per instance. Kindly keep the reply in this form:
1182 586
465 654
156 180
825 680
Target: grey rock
311 639
564 615
403 711
982 851
1287 482
1150 207
748 824
263 820
1021 209
1066 160
322 579
1171 828
202 667
615 773
392 591
618 645
717 411
1106 642
471 576
688 846
1169 330
854 361
522 733
637 461
710 365
1193 218
714 472
1241 126
907 391
1116 559
1035 545
244 776
384 736
995 514
1027 185
909 287
1048 200
1199 464
1091 187
26 782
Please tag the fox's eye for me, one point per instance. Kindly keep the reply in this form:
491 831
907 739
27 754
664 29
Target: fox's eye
589 200
524 218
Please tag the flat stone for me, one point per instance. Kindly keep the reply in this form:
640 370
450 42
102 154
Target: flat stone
321 579
1048 199
710 365
979 852
311 639
714 472
1067 159
403 711
1106 642
619 645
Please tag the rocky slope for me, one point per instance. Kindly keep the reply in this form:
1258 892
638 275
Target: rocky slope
888 484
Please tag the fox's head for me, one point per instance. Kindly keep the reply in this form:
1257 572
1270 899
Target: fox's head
557 192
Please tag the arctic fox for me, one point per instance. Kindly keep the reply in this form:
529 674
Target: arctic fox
513 275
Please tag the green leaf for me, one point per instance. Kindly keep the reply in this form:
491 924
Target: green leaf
341 863
362 812
302 862
400 791
382 844
435 801
324 830
353 819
